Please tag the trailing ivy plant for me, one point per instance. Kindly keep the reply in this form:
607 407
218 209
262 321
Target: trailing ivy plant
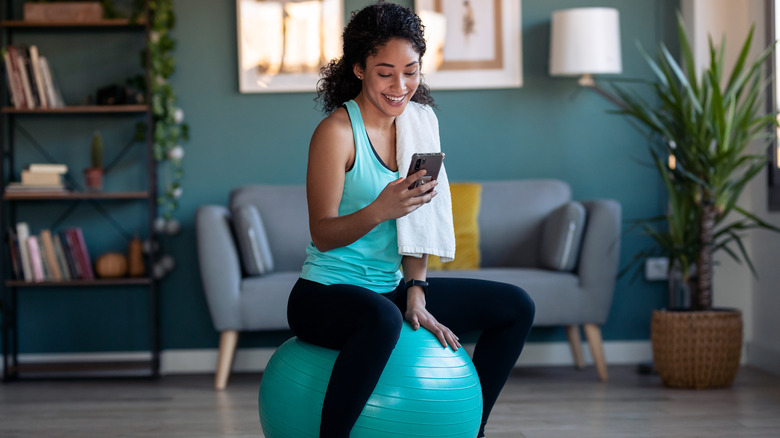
169 129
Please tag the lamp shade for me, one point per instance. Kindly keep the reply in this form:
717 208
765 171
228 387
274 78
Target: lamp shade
585 41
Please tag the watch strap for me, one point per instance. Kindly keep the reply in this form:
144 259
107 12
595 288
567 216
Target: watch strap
422 284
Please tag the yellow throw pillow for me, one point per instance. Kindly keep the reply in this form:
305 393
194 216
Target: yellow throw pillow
465 210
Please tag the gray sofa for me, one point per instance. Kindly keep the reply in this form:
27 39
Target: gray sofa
563 253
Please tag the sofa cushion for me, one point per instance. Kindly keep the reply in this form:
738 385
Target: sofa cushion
561 237
511 218
285 218
558 296
263 300
253 246
465 211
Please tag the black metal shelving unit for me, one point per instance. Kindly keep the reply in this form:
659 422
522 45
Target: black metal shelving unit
101 201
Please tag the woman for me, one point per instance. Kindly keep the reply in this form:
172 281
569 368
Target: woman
351 295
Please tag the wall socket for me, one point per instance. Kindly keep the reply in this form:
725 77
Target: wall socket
657 268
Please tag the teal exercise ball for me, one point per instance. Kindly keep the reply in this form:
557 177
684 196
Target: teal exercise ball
425 390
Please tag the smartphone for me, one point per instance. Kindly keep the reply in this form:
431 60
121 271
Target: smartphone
430 161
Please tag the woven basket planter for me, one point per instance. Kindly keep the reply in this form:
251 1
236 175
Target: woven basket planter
697 349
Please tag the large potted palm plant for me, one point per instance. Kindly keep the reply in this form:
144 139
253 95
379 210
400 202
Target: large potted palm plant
702 126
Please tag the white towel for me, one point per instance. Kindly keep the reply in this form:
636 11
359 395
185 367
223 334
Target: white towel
429 229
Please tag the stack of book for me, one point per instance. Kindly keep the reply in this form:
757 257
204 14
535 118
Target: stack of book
40 178
49 256
30 80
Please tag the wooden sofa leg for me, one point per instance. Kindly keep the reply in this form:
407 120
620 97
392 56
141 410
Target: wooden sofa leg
593 335
227 348
575 342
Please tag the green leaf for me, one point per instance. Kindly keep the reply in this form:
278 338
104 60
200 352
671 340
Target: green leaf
708 125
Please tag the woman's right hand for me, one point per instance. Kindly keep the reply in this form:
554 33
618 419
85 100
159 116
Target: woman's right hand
397 199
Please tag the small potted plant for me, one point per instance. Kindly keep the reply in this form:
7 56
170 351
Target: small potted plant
94 174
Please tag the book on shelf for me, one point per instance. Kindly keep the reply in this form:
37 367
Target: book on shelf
53 93
37 74
13 81
62 259
17 74
36 262
13 247
14 71
44 258
29 78
53 268
49 256
22 233
28 67
18 187
68 250
20 68
55 168
79 253
86 261
37 178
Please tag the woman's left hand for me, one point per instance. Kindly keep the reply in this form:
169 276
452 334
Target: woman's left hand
419 316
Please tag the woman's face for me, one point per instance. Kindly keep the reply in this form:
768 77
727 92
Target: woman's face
391 77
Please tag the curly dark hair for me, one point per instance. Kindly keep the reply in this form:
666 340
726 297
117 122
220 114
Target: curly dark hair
369 29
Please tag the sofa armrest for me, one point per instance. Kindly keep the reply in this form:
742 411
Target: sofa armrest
220 267
599 258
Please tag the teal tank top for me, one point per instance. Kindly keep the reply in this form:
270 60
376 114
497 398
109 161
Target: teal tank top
372 261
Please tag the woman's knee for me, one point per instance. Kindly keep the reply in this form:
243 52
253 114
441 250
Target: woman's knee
522 304
385 320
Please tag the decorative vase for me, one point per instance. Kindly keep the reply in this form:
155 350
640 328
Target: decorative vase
135 258
93 178
697 348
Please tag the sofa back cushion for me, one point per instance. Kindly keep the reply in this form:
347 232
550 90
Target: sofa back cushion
465 214
285 218
562 236
511 219
255 254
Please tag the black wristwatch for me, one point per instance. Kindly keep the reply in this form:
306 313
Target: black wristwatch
422 284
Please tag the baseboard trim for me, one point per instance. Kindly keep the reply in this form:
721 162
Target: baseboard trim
255 359
763 357
197 361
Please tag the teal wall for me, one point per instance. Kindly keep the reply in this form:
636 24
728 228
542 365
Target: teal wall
549 128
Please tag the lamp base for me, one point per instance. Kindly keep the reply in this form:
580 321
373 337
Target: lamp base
586 80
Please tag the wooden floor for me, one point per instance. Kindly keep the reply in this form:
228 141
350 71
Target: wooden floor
557 402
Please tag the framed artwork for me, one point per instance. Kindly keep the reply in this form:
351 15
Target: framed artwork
282 44
472 43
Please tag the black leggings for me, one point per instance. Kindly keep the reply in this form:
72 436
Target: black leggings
365 327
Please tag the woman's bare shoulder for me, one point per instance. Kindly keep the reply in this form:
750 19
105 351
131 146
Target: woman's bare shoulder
332 141
335 126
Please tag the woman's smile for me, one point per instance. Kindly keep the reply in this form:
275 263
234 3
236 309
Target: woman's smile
396 100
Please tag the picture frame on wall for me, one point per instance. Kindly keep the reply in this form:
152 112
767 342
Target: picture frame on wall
282 44
472 44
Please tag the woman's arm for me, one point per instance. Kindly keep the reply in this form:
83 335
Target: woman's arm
416 269
331 154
